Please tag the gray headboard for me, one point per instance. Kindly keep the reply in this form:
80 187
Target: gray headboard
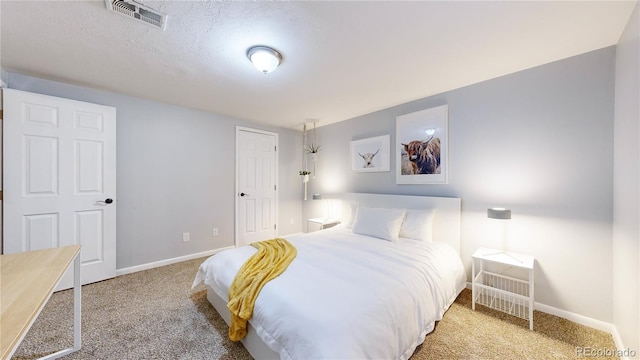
446 224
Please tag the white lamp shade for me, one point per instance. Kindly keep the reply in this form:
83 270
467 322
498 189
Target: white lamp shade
499 213
264 59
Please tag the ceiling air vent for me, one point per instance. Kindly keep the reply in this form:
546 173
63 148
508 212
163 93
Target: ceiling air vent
139 12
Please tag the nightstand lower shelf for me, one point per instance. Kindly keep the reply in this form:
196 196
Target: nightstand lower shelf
499 291
504 293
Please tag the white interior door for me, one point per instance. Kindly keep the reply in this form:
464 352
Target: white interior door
60 179
256 154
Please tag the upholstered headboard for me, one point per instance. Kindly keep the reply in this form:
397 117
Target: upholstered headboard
446 224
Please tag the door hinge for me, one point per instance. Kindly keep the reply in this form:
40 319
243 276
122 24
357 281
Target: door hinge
274 187
275 148
274 226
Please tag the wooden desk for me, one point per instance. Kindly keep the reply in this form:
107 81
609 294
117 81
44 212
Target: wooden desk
27 281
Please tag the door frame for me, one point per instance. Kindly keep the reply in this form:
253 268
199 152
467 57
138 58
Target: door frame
236 193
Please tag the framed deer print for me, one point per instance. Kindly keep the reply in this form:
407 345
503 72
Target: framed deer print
371 155
421 147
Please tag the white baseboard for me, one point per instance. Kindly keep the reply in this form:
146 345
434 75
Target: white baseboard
576 318
178 259
619 344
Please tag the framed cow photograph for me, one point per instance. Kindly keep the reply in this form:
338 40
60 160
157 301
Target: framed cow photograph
421 146
371 155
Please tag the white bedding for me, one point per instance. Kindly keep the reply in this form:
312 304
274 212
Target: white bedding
348 296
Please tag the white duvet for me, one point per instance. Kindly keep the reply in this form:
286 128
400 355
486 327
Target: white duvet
348 296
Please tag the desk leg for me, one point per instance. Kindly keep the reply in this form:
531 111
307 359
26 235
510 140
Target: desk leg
77 314
77 305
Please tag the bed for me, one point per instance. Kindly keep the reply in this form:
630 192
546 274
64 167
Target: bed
350 293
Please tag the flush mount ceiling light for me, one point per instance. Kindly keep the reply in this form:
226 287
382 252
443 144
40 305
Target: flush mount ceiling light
264 58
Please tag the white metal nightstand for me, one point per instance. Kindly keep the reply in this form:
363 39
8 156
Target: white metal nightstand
323 222
510 294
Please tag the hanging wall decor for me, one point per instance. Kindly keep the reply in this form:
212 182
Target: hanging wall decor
421 147
304 172
308 149
313 149
370 155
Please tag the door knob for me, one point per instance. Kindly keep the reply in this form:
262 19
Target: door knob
108 200
243 194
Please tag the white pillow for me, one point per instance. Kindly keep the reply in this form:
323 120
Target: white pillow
352 218
377 222
418 225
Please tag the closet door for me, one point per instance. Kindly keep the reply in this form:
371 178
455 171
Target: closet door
60 179
256 164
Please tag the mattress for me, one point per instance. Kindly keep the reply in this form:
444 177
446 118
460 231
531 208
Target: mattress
348 295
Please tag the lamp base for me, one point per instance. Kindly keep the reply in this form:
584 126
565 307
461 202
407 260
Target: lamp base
505 253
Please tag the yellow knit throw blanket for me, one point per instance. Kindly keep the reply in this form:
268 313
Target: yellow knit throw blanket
271 260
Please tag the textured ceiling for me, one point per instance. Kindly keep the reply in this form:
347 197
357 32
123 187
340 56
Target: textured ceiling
341 59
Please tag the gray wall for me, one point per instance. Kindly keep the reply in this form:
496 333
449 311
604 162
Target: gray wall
176 173
3 75
626 220
538 141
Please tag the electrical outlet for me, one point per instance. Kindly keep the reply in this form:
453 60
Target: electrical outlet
186 237
215 231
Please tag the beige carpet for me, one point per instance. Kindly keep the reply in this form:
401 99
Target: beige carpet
155 315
